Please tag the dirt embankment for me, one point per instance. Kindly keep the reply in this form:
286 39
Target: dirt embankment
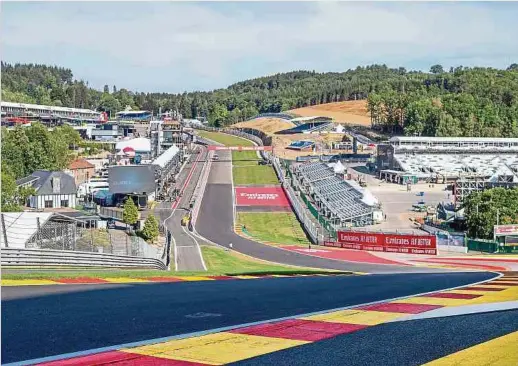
351 111
267 125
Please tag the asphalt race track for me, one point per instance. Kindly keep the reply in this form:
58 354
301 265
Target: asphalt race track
215 223
40 321
405 343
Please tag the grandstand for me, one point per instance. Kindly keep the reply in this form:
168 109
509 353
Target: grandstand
143 116
301 145
44 112
307 125
447 159
343 202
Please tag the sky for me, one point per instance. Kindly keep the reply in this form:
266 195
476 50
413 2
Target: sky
188 46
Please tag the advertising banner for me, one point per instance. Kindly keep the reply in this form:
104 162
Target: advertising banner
381 242
261 196
501 230
240 148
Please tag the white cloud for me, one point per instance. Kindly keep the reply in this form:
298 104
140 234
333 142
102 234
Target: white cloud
208 41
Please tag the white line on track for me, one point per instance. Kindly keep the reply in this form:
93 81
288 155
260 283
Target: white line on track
224 329
197 246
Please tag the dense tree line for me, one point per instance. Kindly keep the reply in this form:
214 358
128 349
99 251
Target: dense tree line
485 209
26 149
462 101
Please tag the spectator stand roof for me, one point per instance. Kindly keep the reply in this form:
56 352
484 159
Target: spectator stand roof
139 144
166 157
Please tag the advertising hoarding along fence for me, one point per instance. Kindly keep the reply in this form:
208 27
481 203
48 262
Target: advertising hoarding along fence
240 148
381 242
261 196
502 230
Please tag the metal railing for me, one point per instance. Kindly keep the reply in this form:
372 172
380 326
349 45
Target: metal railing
15 257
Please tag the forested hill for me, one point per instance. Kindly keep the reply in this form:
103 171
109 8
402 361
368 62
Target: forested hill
461 101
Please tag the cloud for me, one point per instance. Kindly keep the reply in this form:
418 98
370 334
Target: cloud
215 42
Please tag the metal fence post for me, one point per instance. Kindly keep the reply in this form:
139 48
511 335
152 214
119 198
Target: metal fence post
4 231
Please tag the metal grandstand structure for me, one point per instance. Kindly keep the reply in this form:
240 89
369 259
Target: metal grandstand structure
447 159
335 198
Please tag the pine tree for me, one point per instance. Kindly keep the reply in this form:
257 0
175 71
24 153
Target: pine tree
130 212
150 231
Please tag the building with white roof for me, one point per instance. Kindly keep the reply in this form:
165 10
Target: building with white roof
35 110
490 160
141 145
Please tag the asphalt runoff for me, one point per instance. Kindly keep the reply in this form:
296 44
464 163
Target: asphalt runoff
40 321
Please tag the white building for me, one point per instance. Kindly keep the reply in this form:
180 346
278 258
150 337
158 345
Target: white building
35 110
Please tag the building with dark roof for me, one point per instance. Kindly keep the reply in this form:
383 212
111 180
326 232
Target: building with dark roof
53 189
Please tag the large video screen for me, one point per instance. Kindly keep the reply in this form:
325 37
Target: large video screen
132 179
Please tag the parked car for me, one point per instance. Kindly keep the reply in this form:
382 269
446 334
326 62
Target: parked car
111 224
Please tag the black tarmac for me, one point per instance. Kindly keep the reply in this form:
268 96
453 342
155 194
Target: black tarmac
40 321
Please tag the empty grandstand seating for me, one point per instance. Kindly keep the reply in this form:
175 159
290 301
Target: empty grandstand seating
336 198
301 145
305 128
456 165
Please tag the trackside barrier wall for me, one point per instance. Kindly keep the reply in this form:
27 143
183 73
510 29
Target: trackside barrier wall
14 257
481 245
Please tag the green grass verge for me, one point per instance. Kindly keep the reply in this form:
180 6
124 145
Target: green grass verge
276 227
225 139
218 261
241 158
259 174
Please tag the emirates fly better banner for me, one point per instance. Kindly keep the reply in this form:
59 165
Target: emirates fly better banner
380 242
261 196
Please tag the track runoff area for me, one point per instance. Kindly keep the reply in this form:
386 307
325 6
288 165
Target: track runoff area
451 319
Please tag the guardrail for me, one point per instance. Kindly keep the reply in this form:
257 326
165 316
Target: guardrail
14 257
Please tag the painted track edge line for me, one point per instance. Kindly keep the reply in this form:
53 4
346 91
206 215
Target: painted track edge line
224 329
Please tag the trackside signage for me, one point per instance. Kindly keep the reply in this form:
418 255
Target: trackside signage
501 230
380 242
240 148
261 196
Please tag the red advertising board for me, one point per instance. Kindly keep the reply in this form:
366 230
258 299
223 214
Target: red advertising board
240 148
381 242
261 196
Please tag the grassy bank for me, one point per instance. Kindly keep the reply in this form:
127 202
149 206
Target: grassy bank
259 174
276 227
225 139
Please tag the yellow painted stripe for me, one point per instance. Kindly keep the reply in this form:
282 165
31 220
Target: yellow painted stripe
244 277
361 317
216 349
435 301
28 282
501 351
124 280
509 294
468 292
195 278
